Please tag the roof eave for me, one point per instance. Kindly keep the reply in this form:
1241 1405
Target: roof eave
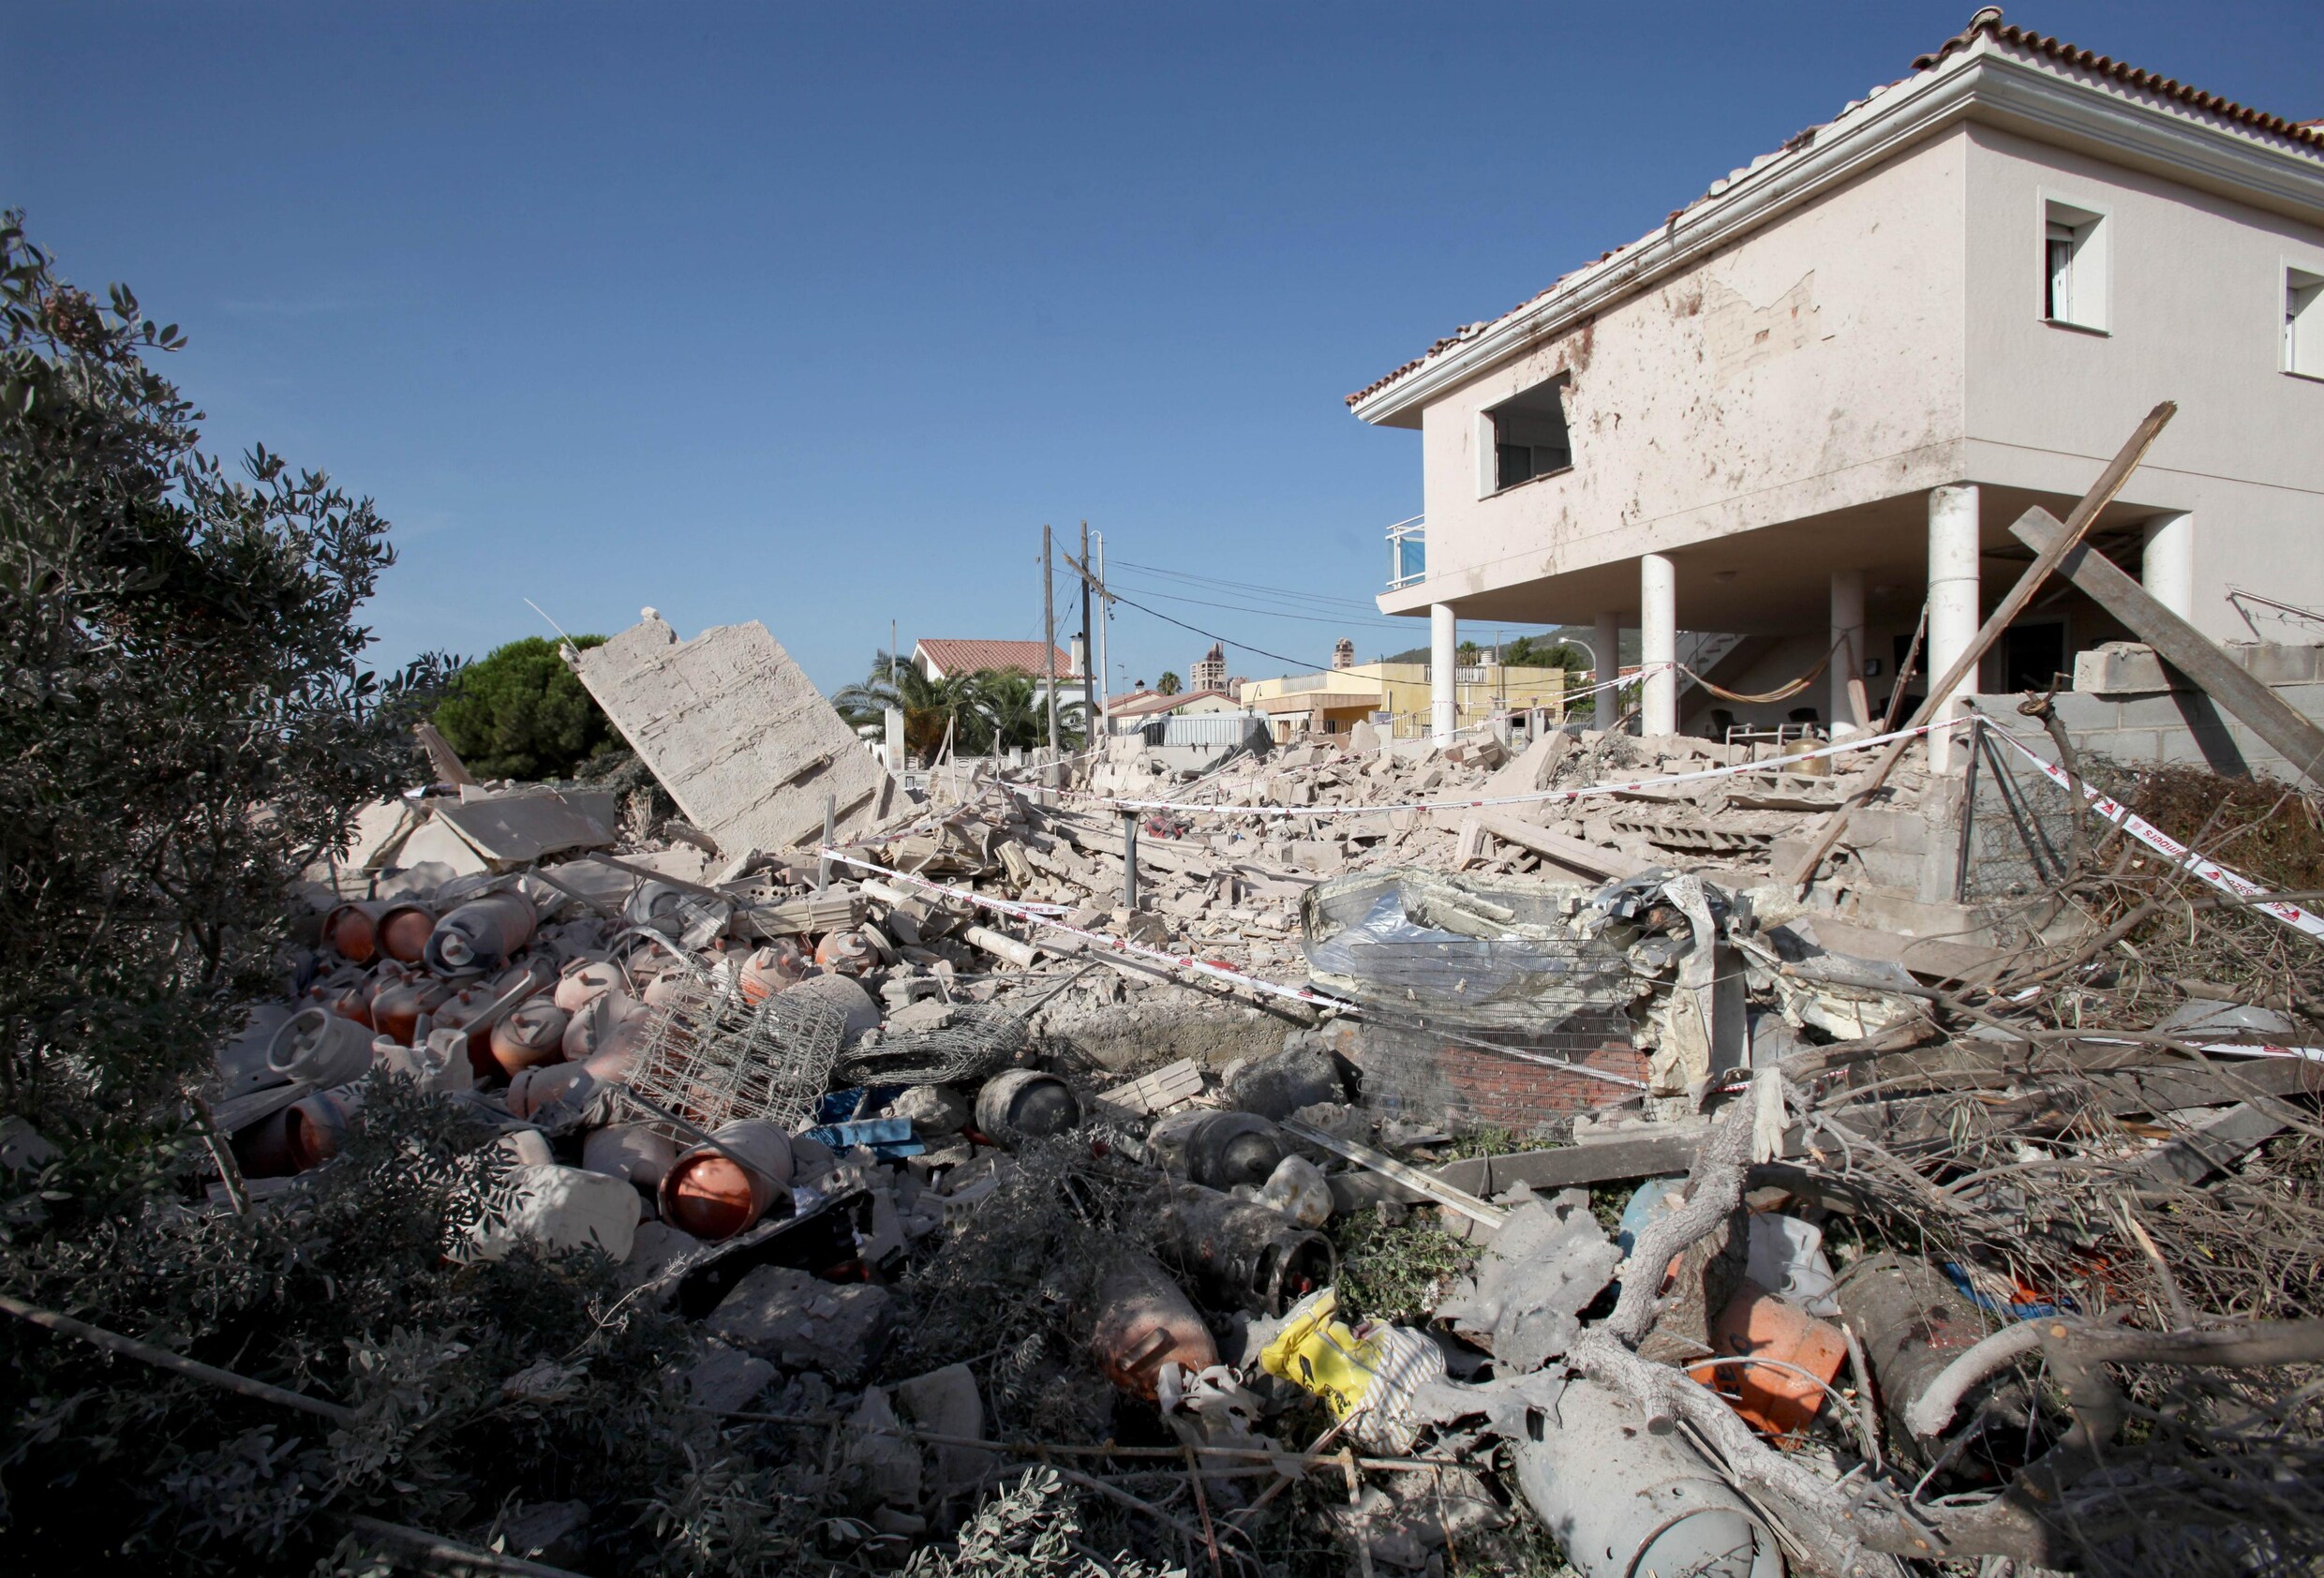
1985 81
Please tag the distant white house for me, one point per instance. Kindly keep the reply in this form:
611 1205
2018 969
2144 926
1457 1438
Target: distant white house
948 658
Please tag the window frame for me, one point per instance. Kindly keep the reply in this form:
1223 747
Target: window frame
1488 436
2089 263
2300 330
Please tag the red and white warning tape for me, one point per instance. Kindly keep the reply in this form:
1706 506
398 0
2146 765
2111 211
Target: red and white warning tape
2172 849
1032 915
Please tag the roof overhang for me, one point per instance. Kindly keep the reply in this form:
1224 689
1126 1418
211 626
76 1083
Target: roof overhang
1990 83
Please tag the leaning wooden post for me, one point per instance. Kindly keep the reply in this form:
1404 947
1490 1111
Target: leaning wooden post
2085 514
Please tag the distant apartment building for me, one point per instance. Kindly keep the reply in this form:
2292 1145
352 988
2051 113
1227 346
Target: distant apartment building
1812 400
1396 697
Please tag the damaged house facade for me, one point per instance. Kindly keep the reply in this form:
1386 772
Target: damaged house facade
1814 399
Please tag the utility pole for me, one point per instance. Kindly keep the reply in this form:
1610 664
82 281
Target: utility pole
1094 580
1105 613
1049 638
1089 716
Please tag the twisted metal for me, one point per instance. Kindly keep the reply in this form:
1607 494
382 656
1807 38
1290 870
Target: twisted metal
713 1056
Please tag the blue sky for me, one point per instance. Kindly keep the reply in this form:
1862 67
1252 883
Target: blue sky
814 315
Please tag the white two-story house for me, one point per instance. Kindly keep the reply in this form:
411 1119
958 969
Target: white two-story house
1811 401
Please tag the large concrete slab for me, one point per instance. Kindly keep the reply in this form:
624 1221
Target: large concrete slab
736 732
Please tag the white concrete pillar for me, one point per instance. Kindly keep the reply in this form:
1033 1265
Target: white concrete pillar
1606 651
2168 569
1851 710
1444 641
1658 644
1952 617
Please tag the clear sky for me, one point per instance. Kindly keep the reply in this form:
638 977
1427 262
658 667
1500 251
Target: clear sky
814 315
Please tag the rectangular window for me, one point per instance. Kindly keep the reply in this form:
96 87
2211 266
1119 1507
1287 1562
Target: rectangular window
1529 435
2074 266
2303 322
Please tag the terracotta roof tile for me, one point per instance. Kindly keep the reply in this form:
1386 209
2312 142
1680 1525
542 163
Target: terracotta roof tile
967 657
1989 24
1986 22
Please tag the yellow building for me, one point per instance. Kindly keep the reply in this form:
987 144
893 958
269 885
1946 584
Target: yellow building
1335 701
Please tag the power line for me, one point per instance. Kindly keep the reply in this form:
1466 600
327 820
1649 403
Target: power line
1245 587
1239 645
1341 620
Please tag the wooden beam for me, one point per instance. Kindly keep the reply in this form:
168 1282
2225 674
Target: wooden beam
2085 514
2295 739
1598 865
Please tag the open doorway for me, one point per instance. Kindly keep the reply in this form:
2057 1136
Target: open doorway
2032 655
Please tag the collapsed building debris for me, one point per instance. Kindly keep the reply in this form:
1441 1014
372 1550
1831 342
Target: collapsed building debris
949 1097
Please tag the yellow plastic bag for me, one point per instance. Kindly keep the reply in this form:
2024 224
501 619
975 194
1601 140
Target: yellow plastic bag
1373 1369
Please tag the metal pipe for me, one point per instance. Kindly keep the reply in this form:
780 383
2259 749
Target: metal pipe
1623 1501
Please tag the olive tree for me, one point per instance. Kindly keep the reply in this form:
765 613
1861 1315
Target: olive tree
186 718
186 721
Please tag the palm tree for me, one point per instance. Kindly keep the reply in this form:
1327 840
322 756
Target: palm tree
930 708
1169 684
1011 715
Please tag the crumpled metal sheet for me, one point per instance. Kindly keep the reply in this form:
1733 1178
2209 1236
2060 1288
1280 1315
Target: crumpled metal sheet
1523 1300
1484 952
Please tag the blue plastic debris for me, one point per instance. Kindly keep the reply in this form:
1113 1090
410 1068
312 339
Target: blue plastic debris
889 1139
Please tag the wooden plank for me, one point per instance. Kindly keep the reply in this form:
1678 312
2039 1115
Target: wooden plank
2085 514
1598 865
1561 1168
1412 1178
2295 739
1913 1120
2213 1143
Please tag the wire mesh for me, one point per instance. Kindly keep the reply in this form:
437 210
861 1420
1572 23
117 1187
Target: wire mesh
976 1040
713 1056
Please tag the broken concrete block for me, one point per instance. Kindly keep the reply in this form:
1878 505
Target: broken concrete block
1300 1074
878 1463
431 856
2120 668
565 1208
946 1402
736 732
804 1323
725 1379
519 828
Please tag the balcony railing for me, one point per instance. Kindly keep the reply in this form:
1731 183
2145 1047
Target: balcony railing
1408 552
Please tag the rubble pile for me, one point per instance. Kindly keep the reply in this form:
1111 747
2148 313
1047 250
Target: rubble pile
1835 1266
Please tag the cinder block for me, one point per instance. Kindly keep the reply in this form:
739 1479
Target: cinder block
1899 833
2214 748
2165 711
2113 667
2271 663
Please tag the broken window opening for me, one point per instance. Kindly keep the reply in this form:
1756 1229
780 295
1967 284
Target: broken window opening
2072 267
1529 435
2304 323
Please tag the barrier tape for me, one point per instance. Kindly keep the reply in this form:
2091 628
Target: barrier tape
2227 1049
1538 796
2164 845
1028 914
